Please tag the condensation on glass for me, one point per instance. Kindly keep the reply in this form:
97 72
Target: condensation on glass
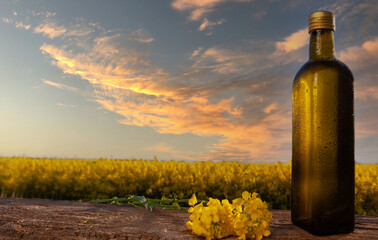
323 137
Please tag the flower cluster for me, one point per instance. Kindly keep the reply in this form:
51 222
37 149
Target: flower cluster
252 217
212 221
246 217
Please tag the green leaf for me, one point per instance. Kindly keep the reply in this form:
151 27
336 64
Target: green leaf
142 200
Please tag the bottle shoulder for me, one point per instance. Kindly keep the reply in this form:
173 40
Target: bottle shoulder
312 67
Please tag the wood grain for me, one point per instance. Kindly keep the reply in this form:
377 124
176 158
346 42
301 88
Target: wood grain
48 219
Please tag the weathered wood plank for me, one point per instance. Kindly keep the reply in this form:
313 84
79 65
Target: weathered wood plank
47 219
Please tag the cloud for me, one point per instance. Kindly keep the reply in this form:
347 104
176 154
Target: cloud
141 36
162 147
270 108
367 93
293 42
226 61
366 126
60 85
196 53
198 8
22 25
80 30
263 141
128 83
146 40
50 29
45 15
237 92
363 61
214 96
206 24
291 49
361 57
338 7
65 105
7 20
360 16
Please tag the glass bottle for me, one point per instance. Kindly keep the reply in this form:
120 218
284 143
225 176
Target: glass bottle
323 137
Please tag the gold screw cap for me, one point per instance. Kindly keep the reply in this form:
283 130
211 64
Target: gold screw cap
321 20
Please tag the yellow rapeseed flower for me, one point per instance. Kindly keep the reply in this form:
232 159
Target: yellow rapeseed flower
246 217
74 179
246 195
193 200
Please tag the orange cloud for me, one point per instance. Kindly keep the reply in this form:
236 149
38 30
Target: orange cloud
260 142
198 8
126 82
22 25
363 61
242 141
270 108
141 36
293 42
367 93
50 29
196 52
361 57
162 147
366 127
206 24
60 85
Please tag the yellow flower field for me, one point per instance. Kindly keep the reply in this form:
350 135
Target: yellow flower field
78 179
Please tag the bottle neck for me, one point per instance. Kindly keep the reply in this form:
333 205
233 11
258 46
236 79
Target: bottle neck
321 45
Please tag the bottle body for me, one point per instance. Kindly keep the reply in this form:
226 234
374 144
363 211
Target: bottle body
323 148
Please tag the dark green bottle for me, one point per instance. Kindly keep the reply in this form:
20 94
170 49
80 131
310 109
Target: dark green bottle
323 137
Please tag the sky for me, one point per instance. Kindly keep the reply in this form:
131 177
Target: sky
192 80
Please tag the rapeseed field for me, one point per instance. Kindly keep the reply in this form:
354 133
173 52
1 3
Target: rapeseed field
80 179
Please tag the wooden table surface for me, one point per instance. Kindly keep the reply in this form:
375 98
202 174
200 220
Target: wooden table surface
48 219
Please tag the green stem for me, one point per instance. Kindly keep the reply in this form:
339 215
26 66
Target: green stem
148 199
164 203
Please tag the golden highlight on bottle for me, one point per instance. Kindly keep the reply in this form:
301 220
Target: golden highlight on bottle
323 137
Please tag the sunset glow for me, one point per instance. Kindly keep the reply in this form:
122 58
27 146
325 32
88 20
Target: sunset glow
180 79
